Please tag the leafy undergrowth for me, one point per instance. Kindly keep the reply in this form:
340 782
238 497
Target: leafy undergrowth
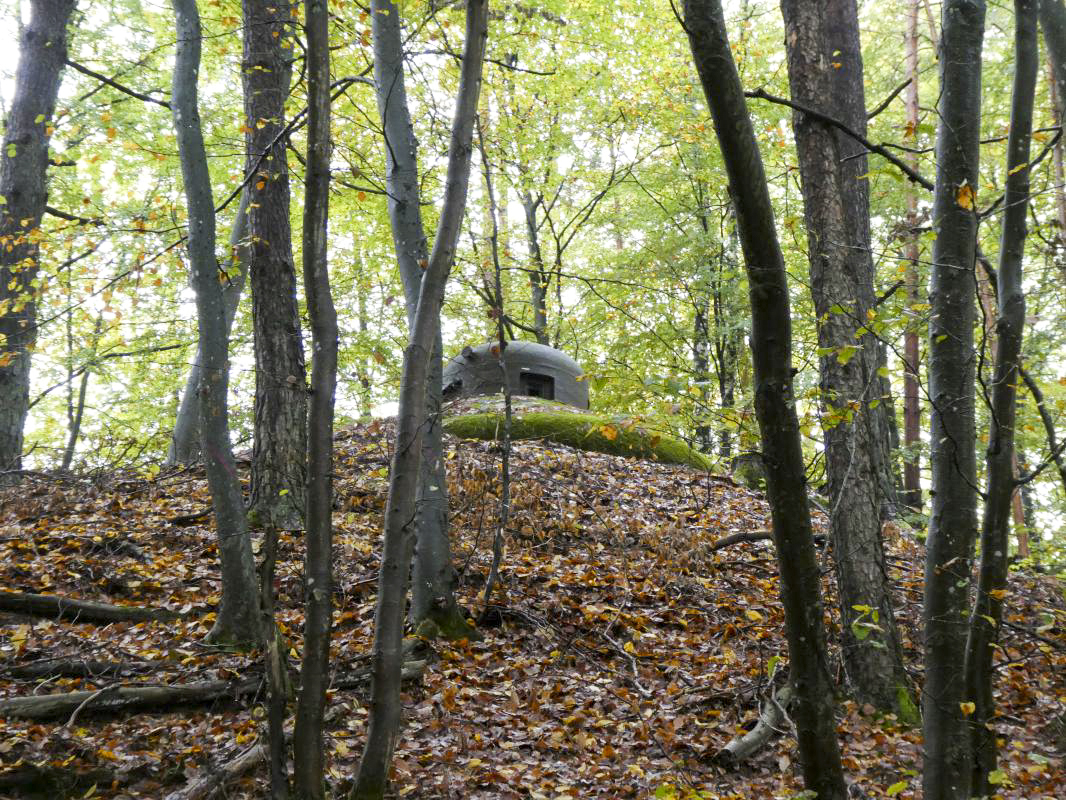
626 653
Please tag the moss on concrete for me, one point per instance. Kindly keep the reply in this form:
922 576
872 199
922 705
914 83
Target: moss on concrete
623 436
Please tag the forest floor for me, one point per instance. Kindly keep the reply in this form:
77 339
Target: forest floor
629 649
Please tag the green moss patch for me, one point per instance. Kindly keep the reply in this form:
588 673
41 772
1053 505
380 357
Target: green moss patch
623 436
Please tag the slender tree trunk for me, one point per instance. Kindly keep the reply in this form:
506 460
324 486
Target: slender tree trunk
1054 448
314 669
774 400
538 275
238 612
280 450
433 591
385 705
1053 24
953 519
185 439
1000 456
76 410
842 289
912 413
23 175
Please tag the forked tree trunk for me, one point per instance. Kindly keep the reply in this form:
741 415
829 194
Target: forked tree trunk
23 173
280 449
1000 456
385 704
774 401
314 669
819 55
185 439
953 518
238 612
433 589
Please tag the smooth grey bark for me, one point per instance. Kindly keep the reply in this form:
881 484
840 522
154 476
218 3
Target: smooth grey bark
400 510
314 669
433 581
771 343
279 452
539 277
76 408
822 44
237 621
1054 448
912 414
953 518
1000 457
23 189
185 439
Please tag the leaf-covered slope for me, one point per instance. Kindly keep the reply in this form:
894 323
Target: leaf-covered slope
626 651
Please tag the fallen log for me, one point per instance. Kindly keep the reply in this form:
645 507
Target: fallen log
57 607
232 769
116 699
771 719
76 668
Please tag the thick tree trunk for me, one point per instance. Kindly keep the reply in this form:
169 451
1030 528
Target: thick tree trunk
842 289
1000 456
953 518
912 414
238 612
314 669
385 704
23 173
280 450
433 591
185 439
774 401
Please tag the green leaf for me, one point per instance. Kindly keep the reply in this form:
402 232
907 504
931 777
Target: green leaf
896 788
38 119
997 777
846 353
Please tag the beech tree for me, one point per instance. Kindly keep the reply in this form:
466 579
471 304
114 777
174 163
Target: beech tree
401 506
23 193
953 517
432 586
771 342
237 621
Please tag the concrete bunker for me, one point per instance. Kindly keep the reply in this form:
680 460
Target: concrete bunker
533 370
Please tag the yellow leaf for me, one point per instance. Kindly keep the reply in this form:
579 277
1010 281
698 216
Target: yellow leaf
1019 168
997 594
753 615
967 708
629 648
609 432
965 197
108 754
260 184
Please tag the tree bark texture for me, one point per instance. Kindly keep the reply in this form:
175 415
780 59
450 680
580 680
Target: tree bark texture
432 589
953 517
238 613
842 289
185 439
774 400
314 669
400 510
23 176
912 414
280 449
1000 456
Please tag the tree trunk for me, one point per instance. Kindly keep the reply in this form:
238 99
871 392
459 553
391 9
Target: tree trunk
385 704
238 613
76 409
23 174
314 669
774 400
953 518
912 414
1000 456
433 591
842 289
185 440
280 449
